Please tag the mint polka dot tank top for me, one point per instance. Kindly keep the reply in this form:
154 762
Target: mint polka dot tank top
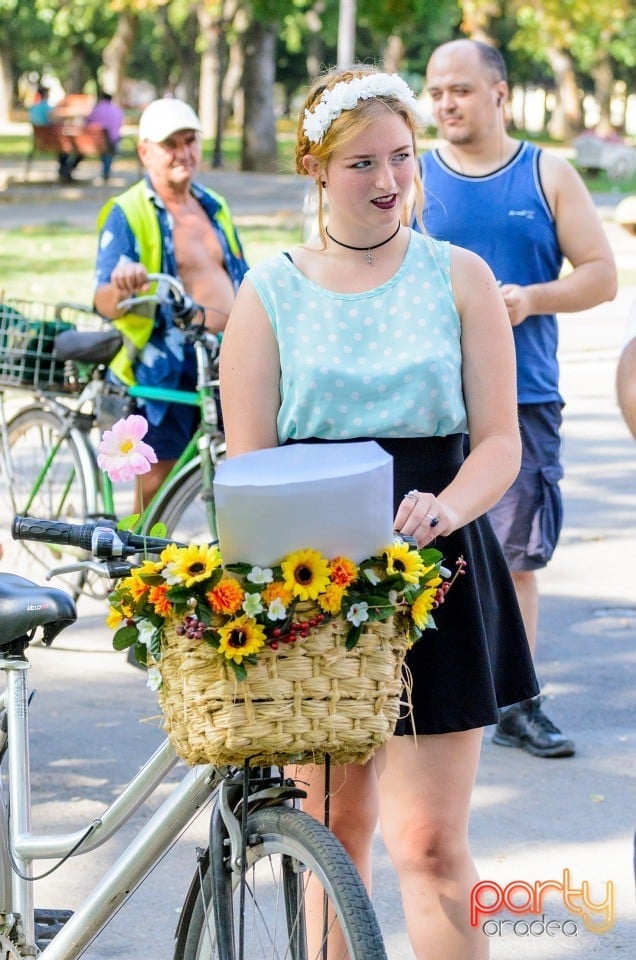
383 363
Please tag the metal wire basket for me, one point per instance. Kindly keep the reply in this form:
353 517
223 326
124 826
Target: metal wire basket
28 360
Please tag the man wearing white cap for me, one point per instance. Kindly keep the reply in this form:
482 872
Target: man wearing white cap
166 223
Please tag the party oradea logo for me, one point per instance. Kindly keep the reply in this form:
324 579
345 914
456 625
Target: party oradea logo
592 910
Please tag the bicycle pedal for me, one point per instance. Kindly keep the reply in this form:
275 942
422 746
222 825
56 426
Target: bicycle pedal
48 923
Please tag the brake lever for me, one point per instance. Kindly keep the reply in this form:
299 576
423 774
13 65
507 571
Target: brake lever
108 569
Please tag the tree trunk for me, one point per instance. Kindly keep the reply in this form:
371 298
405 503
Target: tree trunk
6 84
393 53
603 85
259 72
567 118
78 72
117 51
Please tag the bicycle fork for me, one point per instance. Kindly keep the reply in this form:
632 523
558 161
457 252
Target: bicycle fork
228 854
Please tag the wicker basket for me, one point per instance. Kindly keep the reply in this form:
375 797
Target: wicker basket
298 704
28 329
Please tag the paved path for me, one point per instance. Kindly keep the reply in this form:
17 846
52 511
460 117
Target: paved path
532 819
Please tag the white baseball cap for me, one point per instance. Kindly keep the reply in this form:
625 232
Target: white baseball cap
162 118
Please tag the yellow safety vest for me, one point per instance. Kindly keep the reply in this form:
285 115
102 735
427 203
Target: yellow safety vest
141 215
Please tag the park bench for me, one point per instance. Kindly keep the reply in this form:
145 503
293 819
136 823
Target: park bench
611 154
69 132
65 136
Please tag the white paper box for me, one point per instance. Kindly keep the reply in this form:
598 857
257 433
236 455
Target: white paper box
336 498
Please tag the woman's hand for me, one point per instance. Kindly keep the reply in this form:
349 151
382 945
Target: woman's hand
424 517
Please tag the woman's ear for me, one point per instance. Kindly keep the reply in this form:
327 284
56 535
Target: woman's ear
312 166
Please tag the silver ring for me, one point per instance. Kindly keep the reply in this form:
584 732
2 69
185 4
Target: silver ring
434 520
412 494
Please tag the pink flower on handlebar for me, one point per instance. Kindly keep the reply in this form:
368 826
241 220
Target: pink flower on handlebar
122 452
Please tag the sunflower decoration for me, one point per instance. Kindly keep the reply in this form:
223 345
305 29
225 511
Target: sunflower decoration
241 610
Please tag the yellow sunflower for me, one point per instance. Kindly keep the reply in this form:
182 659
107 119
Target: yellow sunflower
147 569
423 604
343 571
401 559
331 600
306 572
227 596
241 637
114 618
192 564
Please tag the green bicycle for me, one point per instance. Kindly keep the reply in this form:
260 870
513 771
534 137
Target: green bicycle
48 447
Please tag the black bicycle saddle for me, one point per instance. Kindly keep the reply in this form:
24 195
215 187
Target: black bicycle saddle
25 606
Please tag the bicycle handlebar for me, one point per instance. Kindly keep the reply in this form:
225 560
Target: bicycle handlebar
185 308
100 537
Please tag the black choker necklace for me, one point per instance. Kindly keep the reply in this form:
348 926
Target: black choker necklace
368 255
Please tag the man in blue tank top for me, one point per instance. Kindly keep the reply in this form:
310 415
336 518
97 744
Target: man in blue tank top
524 211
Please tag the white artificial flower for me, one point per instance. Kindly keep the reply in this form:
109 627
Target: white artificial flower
372 576
145 630
277 610
171 574
393 597
346 94
260 575
358 613
154 678
252 605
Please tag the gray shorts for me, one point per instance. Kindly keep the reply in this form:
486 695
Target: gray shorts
527 520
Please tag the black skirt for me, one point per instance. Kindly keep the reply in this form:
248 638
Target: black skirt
478 659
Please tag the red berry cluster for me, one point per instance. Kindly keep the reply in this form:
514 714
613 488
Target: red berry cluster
192 628
291 632
444 587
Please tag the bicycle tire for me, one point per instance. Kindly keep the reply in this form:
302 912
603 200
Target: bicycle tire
283 839
181 506
32 434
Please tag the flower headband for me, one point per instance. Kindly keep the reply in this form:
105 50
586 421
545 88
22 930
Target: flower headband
346 94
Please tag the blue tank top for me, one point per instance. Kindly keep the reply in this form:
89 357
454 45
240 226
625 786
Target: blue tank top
383 363
505 218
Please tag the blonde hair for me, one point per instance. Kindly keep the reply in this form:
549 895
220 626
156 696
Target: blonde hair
350 123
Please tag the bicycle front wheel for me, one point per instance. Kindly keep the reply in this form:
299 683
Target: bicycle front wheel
184 506
303 899
46 479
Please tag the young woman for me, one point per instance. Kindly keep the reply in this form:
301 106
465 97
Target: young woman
371 330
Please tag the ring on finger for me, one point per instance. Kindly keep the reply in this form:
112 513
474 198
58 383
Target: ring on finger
411 495
434 520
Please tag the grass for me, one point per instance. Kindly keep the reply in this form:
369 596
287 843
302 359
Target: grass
56 262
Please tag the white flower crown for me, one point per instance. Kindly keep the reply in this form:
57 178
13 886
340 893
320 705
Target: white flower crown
346 94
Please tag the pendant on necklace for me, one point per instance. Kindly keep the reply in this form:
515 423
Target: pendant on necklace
369 257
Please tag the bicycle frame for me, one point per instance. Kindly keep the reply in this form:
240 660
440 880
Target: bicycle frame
150 844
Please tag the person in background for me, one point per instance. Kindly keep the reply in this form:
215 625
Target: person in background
626 375
41 114
170 224
109 116
523 210
369 330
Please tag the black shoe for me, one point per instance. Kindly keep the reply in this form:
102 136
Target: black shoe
526 726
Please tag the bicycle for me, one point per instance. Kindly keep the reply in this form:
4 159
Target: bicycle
248 897
47 451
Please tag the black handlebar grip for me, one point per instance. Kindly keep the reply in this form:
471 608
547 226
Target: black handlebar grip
53 531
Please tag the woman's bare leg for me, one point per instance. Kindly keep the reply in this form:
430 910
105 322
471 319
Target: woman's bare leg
353 814
425 787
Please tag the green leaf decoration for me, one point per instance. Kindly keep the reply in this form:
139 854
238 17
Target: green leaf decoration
128 523
158 530
154 647
239 670
353 636
125 637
